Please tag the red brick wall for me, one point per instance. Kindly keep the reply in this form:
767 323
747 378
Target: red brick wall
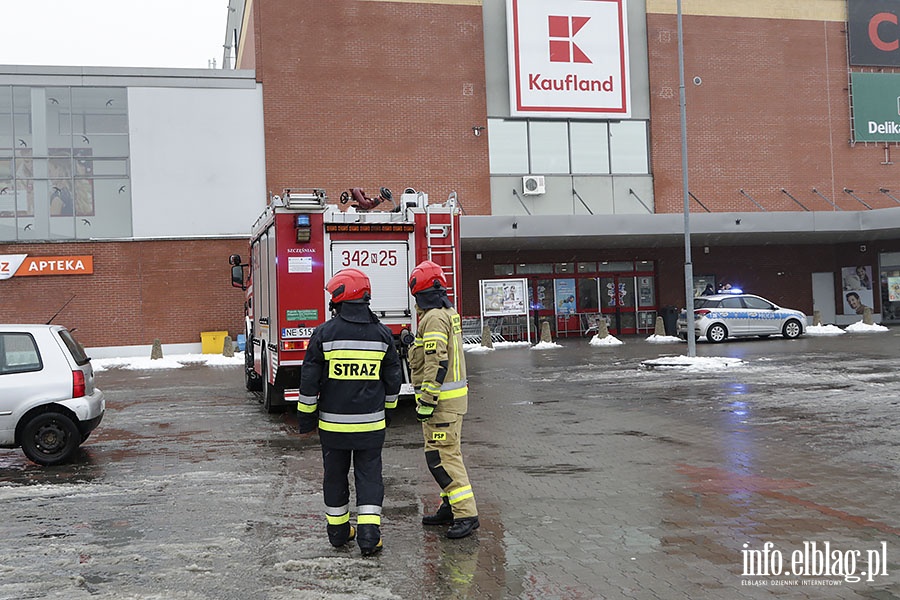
772 112
371 94
139 291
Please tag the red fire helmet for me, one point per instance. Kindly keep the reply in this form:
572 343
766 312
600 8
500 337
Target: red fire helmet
349 284
426 275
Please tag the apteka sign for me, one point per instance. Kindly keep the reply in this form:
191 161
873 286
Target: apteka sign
21 265
568 58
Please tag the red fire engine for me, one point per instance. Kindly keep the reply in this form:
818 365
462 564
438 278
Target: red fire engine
301 240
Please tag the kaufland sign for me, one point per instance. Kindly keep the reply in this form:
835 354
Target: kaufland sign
568 58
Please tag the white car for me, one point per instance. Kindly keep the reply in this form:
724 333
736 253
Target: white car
48 402
740 315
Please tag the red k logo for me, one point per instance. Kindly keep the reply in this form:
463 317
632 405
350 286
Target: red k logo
562 30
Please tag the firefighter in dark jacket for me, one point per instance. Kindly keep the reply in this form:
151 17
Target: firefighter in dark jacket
439 376
351 376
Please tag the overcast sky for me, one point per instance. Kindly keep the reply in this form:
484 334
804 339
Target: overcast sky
113 33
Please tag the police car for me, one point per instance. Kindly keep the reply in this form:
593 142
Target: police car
722 316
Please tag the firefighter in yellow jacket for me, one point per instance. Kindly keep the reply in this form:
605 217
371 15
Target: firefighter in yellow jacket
439 375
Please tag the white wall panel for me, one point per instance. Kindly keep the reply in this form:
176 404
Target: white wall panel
197 160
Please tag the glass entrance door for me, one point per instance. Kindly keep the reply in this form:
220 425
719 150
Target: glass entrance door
617 303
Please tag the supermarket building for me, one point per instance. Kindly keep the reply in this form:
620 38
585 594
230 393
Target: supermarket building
556 123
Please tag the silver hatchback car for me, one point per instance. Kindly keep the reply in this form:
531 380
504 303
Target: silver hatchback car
739 315
48 402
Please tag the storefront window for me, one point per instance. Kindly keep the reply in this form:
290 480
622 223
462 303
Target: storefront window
504 270
646 292
628 147
564 268
543 294
590 147
890 286
64 163
549 145
508 146
524 269
588 295
610 266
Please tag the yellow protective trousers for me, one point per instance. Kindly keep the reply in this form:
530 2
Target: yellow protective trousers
445 462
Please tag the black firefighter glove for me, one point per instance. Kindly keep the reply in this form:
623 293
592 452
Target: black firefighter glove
425 408
306 422
388 415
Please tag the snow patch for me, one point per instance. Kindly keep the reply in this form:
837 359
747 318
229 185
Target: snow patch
664 339
609 340
479 349
861 327
693 363
545 346
176 361
824 330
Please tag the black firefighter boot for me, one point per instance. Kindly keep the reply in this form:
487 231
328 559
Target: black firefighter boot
369 539
462 527
342 534
443 516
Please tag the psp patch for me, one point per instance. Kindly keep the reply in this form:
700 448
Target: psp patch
439 436
430 347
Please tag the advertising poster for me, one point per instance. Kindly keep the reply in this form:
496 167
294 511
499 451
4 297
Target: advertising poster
565 296
503 297
543 296
857 289
893 284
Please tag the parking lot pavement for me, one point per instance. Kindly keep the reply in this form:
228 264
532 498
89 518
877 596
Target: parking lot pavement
595 478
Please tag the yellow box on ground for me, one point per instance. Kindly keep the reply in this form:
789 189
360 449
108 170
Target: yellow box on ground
212 342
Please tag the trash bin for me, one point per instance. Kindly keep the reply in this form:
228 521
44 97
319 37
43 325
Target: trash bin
212 342
670 319
241 342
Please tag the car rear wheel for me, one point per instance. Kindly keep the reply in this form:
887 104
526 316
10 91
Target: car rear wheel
50 438
716 333
792 329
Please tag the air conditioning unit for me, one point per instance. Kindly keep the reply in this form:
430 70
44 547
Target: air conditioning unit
533 185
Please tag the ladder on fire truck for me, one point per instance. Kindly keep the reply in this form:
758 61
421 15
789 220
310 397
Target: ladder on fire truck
441 239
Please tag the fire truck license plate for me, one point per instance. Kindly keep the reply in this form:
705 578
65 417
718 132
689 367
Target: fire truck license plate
296 332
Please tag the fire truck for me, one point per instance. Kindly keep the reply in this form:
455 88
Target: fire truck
301 240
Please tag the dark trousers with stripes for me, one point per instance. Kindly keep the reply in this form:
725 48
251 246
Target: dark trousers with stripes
366 475
369 485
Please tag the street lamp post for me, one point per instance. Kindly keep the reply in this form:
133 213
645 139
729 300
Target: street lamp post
688 267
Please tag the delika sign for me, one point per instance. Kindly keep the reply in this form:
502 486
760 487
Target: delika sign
568 58
876 107
874 35
874 31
